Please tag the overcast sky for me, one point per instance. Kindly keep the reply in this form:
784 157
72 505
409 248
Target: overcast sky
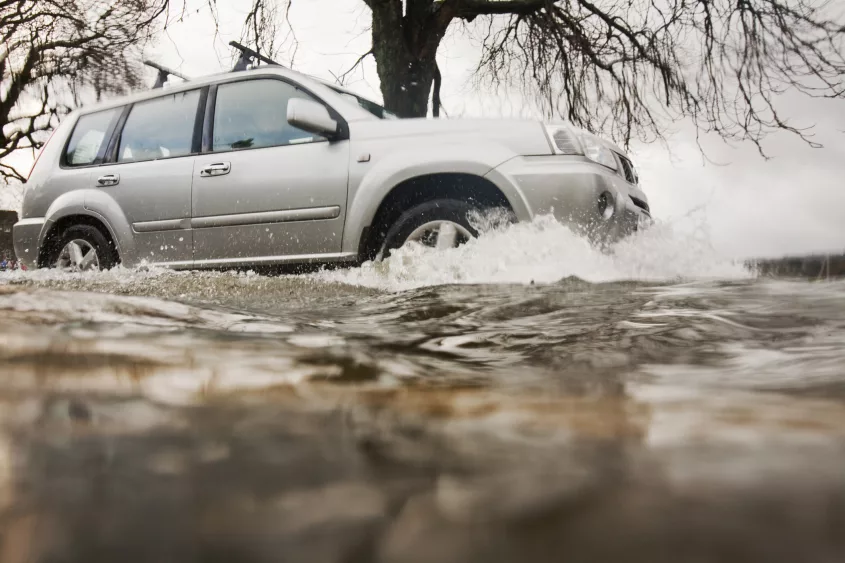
793 203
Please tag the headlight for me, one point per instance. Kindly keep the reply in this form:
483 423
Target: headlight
597 152
563 139
568 141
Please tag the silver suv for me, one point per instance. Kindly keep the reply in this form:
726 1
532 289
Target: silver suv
268 166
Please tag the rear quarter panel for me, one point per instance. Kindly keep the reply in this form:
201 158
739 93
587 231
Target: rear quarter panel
47 180
93 203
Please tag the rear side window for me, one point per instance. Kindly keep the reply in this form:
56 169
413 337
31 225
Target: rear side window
159 128
89 137
254 114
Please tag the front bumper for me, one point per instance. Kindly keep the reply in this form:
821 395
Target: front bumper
591 199
27 235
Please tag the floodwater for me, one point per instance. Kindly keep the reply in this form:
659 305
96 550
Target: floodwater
522 398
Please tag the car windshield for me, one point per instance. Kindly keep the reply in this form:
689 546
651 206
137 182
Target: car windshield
369 106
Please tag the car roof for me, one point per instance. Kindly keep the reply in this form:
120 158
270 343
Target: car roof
319 87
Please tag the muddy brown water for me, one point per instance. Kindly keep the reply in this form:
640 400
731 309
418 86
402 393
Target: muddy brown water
154 416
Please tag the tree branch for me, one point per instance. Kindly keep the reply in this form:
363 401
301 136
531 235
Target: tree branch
470 9
634 68
342 78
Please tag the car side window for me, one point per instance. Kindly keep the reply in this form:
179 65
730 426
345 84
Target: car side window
89 136
159 128
254 113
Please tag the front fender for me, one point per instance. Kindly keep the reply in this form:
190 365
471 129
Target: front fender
394 168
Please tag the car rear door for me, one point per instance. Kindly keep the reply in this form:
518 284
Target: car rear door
149 175
265 191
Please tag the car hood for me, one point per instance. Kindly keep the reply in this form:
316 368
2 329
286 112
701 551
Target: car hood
523 136
526 137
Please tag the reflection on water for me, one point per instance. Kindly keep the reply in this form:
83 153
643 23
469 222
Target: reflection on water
161 416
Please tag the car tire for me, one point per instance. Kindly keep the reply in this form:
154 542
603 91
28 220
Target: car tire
439 210
87 238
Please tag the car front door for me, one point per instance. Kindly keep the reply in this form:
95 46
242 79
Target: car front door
150 176
265 192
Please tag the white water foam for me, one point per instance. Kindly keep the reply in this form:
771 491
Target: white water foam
545 251
117 276
541 251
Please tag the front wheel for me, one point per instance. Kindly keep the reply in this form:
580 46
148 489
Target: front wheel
83 248
441 223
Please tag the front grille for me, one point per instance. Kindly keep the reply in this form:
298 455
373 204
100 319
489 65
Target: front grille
640 203
628 169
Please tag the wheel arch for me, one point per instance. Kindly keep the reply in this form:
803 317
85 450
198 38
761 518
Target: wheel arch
395 163
59 225
414 191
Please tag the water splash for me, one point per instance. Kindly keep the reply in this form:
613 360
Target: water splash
545 251
542 251
117 276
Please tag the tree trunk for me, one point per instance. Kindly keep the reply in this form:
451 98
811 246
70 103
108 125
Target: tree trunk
405 49
435 93
405 85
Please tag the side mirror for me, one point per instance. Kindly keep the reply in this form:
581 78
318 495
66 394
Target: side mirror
312 117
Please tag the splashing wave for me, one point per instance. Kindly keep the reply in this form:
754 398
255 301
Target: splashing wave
545 251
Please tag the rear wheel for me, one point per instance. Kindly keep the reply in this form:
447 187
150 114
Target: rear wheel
83 248
441 223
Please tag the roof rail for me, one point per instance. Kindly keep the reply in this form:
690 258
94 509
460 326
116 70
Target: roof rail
247 56
163 73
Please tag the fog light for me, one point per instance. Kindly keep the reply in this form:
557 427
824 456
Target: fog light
606 205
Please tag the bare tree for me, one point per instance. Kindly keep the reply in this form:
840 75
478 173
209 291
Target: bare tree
263 27
627 67
53 50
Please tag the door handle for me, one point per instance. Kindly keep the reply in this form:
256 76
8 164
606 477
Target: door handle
216 169
108 180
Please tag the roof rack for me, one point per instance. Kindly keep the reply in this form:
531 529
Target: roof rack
163 73
247 56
